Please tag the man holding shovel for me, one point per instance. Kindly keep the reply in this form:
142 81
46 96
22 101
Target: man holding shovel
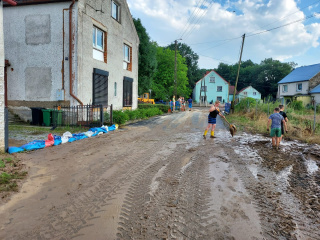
275 133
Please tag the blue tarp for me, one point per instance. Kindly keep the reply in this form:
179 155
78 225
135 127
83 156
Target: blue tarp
36 144
39 144
57 140
15 150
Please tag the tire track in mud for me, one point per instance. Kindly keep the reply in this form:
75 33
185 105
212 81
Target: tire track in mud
178 207
96 191
276 202
67 220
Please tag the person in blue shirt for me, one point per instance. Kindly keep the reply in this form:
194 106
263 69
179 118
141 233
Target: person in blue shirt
276 119
190 103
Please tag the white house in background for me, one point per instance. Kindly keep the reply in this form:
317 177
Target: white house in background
298 84
249 92
71 53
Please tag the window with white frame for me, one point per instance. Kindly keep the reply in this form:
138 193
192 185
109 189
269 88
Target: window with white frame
127 57
219 88
254 93
219 99
245 93
284 88
212 79
99 42
299 87
115 10
97 38
203 88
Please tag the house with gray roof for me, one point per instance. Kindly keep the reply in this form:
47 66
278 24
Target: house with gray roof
299 84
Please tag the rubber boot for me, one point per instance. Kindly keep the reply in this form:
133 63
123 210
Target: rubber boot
205 134
212 134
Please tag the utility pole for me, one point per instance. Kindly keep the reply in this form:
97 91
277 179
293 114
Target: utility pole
235 86
175 66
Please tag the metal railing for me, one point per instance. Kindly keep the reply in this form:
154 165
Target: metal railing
81 115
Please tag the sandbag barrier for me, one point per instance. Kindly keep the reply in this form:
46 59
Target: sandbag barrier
54 140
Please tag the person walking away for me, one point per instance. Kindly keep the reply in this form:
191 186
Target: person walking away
190 103
275 133
212 119
285 117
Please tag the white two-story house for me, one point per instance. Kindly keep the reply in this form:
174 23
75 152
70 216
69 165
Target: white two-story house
298 84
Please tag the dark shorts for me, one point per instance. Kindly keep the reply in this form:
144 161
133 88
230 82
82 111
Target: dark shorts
212 120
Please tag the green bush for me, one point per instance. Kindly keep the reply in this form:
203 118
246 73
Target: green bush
297 105
120 117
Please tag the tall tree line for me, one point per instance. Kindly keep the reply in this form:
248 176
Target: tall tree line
264 76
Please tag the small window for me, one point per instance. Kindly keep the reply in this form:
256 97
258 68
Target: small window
115 89
219 99
127 57
203 88
245 93
219 88
254 93
299 87
212 79
285 88
97 38
115 11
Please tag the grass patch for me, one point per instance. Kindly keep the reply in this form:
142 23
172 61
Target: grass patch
253 117
11 172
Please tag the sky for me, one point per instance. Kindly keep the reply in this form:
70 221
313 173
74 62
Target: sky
285 30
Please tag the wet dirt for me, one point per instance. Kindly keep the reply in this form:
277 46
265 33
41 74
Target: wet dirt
159 179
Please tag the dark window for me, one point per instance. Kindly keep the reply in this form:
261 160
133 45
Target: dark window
115 10
127 91
100 87
204 89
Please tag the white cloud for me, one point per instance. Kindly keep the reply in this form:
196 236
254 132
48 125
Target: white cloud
165 19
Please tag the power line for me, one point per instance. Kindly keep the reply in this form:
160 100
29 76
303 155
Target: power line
224 61
287 24
203 14
286 16
191 17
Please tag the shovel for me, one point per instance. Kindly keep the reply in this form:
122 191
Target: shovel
232 128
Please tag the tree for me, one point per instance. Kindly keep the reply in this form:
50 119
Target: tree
147 58
191 61
163 85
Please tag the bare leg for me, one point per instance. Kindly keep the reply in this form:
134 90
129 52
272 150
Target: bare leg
273 141
278 141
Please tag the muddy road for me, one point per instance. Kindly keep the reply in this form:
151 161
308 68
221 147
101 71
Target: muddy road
159 179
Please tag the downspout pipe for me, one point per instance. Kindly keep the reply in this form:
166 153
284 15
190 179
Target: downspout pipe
71 46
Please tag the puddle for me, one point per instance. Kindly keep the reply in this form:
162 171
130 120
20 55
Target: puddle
284 174
254 170
312 166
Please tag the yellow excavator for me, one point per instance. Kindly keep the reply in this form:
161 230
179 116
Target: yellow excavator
145 99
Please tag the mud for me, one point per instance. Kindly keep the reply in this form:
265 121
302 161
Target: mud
159 179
